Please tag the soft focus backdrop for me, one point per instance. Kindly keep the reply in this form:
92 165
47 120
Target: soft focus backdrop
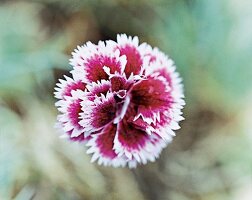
211 44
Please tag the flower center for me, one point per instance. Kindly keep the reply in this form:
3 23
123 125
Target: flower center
120 96
122 103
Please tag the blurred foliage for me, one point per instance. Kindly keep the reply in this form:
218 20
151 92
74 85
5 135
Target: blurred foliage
211 43
26 55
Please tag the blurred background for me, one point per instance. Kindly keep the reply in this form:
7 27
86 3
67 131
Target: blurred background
211 44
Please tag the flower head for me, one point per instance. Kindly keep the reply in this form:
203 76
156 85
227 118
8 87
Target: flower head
123 102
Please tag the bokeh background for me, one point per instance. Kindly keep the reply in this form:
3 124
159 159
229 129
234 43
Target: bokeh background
211 43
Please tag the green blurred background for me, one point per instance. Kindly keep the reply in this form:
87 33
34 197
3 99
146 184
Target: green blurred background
211 43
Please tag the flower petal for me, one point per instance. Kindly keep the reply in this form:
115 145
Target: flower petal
119 82
133 142
88 64
136 145
128 46
101 146
152 96
156 59
94 67
140 124
96 89
70 117
98 113
65 87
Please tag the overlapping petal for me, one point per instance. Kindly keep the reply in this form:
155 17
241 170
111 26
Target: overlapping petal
129 47
68 120
101 147
65 87
98 113
89 64
152 96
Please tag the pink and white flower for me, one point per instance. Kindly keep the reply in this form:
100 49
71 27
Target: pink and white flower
123 102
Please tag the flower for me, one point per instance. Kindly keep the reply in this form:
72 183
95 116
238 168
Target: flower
123 101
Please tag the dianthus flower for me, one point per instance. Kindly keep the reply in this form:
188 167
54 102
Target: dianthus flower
123 101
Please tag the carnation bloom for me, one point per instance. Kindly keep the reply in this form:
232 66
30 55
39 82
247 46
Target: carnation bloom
123 101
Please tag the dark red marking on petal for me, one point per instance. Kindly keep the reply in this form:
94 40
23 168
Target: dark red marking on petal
164 121
73 111
73 86
98 90
94 67
121 94
134 60
130 136
105 141
118 83
138 124
151 94
103 113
